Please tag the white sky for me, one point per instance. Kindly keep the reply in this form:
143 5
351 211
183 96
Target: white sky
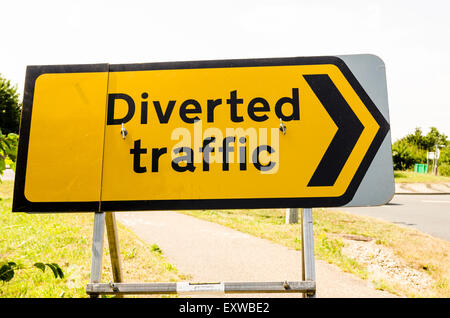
412 37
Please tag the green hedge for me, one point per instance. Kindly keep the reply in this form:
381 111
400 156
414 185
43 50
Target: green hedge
444 169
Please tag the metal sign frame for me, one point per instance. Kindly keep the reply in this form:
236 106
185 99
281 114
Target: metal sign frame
307 285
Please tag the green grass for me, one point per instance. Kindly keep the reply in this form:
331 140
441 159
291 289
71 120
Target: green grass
420 251
66 239
410 176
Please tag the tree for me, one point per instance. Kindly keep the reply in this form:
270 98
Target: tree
9 123
428 142
405 154
8 151
10 107
413 149
417 139
434 137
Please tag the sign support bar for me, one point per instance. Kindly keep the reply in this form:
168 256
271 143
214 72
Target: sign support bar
307 286
292 216
97 249
113 242
206 288
100 219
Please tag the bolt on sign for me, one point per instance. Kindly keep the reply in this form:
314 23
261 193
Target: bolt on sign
258 133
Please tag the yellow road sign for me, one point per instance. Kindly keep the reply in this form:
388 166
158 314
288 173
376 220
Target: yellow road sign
293 132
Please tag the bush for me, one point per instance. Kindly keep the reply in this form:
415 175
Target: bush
444 156
8 150
414 147
444 162
405 155
9 107
444 169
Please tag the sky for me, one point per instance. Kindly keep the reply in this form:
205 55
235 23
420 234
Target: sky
411 37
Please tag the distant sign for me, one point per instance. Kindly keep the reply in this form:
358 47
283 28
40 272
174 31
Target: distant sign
433 155
290 132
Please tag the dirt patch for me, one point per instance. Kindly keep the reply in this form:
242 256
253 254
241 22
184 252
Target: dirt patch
356 237
383 265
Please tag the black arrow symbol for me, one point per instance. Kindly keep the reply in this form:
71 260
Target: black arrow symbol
349 130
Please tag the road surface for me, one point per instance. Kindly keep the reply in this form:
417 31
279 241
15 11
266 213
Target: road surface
210 252
427 213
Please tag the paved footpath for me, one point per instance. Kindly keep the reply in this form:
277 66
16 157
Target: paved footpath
209 252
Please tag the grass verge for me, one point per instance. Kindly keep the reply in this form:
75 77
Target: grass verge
419 251
410 176
66 239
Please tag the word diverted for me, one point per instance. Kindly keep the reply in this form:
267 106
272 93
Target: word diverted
286 108
257 108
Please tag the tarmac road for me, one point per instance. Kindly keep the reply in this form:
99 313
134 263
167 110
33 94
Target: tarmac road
427 213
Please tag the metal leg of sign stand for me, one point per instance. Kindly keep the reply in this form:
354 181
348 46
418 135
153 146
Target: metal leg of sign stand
97 249
307 286
308 266
113 242
291 216
100 219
